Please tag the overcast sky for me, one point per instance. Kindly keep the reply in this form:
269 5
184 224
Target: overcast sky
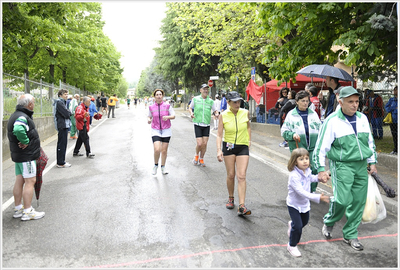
134 28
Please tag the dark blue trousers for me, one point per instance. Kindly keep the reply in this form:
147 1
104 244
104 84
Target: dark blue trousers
299 220
62 145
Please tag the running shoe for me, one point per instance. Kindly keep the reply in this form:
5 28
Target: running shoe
90 155
201 163
354 243
164 170
294 251
77 154
327 231
66 165
243 211
196 160
155 170
33 214
18 213
230 203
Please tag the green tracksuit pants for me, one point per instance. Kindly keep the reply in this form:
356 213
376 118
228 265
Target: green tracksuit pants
313 171
73 126
350 187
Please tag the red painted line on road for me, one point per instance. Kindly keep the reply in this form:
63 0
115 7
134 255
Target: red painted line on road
230 250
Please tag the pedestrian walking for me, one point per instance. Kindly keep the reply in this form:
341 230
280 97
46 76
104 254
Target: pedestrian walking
112 102
82 116
63 121
128 102
224 104
299 196
160 116
329 104
103 104
98 103
345 139
391 107
217 102
375 113
233 149
72 107
200 110
92 109
301 128
289 105
24 144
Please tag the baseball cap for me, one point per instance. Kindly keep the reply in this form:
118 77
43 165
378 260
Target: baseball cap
348 91
234 96
204 85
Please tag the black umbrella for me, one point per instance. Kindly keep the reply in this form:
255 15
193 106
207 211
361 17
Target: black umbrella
41 163
389 191
322 71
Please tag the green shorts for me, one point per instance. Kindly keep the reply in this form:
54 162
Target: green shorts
27 169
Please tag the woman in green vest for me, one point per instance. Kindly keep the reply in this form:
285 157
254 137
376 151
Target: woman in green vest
234 149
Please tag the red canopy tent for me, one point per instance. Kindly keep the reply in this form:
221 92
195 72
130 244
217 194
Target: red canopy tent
270 90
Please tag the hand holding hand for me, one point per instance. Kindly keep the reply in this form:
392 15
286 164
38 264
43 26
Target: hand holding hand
323 177
324 198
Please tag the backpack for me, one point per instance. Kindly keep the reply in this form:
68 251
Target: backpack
54 113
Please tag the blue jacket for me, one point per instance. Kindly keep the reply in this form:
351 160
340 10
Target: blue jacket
92 108
224 104
391 107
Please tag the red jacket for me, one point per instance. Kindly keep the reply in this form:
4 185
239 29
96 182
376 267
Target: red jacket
79 116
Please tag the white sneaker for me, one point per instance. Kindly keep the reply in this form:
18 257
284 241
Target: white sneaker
32 215
164 170
155 170
294 251
66 165
18 213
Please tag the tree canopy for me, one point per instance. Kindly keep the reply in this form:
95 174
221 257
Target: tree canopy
60 41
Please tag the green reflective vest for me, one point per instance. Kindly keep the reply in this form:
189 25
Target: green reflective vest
202 110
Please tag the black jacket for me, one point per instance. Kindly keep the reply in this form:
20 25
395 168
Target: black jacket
32 151
62 114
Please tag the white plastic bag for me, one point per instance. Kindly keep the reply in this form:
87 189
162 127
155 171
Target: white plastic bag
374 210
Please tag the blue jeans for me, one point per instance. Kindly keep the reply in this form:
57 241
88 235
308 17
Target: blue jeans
299 220
377 129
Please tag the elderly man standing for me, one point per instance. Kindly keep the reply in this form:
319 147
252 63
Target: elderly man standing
72 107
345 139
25 149
82 117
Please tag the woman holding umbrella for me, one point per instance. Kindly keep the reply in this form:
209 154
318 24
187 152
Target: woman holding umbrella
301 128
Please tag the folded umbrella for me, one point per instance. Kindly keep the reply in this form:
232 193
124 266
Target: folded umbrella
322 71
41 163
389 191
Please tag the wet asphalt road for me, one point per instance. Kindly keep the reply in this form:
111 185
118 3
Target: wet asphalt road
111 212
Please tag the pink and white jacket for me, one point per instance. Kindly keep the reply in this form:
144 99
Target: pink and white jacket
158 111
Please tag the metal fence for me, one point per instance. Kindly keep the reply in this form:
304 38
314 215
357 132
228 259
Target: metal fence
44 93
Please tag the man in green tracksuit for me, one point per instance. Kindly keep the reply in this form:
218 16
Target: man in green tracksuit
200 111
345 139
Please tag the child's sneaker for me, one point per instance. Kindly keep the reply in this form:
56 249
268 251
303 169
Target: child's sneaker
32 215
196 160
18 213
294 251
